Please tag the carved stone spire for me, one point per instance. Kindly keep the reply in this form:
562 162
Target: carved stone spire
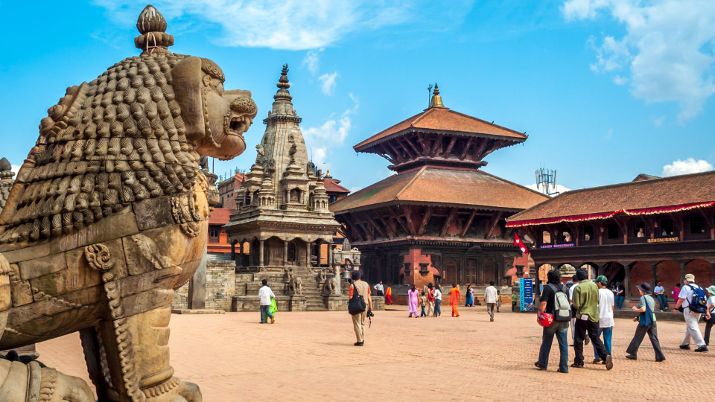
436 98
152 28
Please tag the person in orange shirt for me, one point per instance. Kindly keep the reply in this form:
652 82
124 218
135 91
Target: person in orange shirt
454 300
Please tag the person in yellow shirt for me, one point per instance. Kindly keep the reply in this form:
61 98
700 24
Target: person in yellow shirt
454 300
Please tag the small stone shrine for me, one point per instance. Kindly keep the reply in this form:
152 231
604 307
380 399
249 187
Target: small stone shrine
108 215
283 219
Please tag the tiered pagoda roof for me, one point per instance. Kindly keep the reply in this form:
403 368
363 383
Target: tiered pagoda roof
437 154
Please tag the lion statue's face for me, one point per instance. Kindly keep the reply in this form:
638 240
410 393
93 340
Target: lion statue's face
215 119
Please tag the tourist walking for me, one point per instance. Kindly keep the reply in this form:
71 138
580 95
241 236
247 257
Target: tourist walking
659 292
412 301
469 296
437 301
620 294
606 303
454 300
379 289
585 301
363 292
547 305
423 304
388 296
710 314
646 325
687 298
430 299
265 294
490 298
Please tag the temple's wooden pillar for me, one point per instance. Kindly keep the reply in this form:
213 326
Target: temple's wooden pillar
712 272
654 269
682 270
627 280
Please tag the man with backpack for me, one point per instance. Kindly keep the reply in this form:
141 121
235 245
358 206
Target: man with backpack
585 301
692 301
554 301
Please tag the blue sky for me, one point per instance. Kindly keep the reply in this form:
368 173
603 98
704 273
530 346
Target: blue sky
605 89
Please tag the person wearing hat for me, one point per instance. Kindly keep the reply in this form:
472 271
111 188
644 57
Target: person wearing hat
606 303
646 325
692 330
710 314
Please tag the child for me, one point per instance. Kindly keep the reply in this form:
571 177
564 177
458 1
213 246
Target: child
423 304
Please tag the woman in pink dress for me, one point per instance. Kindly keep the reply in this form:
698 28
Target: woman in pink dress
412 302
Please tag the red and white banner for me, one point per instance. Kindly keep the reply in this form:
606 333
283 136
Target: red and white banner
520 243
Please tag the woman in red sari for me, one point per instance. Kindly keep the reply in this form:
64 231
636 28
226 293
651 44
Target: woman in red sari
388 295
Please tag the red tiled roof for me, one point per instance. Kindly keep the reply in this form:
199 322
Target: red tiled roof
219 216
444 119
445 186
332 186
652 196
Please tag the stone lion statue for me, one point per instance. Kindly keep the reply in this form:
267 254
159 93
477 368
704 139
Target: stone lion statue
108 215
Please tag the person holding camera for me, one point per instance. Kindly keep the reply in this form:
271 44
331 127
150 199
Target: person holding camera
359 289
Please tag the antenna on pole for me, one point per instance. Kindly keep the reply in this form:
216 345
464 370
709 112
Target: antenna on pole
429 94
546 181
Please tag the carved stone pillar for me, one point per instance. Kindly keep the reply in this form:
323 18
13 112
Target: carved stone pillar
308 251
285 252
261 252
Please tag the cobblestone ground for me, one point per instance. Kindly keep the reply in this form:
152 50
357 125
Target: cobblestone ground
310 356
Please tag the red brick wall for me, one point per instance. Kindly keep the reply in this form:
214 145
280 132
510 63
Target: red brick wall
640 272
668 272
702 271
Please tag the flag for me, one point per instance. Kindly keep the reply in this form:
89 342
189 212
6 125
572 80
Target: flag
520 243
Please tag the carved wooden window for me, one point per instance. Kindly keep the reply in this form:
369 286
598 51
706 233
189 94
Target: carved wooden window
291 252
697 225
546 237
612 231
424 268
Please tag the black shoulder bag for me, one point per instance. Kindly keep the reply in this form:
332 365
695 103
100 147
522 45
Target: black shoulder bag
356 304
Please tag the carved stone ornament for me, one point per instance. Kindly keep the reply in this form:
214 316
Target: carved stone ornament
107 216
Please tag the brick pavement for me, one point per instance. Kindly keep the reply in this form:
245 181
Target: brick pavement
309 356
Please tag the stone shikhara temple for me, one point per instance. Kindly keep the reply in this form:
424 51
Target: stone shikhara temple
440 218
282 229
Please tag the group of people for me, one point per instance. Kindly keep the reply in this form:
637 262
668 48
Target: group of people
587 307
429 300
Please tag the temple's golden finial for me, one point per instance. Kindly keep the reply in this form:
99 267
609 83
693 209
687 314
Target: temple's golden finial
436 98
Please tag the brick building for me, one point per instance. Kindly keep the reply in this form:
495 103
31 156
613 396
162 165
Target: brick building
641 231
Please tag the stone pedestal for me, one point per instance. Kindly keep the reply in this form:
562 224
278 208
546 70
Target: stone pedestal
298 303
197 286
336 302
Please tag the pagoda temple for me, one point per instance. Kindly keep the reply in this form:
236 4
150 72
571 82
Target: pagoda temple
440 218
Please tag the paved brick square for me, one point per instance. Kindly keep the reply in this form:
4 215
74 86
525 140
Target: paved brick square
310 357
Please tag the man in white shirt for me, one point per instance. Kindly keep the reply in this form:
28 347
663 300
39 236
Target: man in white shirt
692 330
265 294
490 297
380 289
659 293
606 303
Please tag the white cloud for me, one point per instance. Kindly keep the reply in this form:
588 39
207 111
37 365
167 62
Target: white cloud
16 168
327 82
686 166
332 133
311 61
666 52
559 189
283 24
